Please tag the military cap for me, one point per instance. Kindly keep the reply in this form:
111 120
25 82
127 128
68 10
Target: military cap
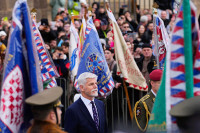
48 98
146 45
156 75
186 108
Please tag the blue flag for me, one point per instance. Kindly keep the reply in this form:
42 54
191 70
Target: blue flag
22 76
93 60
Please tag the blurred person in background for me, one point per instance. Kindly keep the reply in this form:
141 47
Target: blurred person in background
55 5
147 37
140 33
61 62
67 29
3 38
164 18
132 22
46 32
97 23
104 29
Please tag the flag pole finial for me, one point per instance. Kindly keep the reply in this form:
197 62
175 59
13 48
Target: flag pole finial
155 7
33 13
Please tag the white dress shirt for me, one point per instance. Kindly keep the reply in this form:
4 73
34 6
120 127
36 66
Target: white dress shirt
89 105
153 92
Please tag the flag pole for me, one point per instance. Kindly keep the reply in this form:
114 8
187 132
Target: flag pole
155 6
188 48
124 84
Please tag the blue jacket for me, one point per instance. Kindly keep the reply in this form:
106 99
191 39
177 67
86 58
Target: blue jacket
79 120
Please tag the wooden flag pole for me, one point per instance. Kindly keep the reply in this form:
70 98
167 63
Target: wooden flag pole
128 100
85 15
124 84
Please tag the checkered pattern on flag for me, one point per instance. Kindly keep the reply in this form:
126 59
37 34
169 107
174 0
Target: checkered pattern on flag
21 76
48 69
173 87
93 60
125 63
161 40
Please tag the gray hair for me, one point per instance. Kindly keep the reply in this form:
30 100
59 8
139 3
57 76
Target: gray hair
82 77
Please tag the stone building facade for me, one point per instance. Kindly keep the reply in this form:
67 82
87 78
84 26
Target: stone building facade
44 10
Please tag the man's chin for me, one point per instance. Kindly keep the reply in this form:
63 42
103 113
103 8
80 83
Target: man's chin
95 94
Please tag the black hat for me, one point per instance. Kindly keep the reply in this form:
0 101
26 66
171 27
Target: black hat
136 46
146 45
110 49
104 22
44 22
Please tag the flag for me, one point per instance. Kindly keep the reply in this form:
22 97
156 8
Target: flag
173 88
93 60
48 69
161 40
74 55
82 36
21 76
125 63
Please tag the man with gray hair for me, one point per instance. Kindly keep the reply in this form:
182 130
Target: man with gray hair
87 114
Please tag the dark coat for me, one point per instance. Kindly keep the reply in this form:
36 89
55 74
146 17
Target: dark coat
44 127
79 120
150 67
147 37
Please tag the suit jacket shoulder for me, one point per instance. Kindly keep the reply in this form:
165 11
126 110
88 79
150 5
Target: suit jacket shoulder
79 120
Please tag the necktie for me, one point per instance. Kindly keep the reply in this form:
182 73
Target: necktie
95 116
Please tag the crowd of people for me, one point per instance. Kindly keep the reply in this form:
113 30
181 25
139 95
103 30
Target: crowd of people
138 35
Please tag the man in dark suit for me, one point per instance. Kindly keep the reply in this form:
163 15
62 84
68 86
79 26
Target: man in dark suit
87 114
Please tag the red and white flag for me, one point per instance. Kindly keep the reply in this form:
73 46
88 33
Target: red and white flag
125 63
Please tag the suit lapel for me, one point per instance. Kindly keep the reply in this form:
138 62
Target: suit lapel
85 112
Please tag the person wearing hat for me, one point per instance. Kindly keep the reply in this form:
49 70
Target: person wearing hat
87 114
103 28
143 107
187 114
147 62
46 109
3 41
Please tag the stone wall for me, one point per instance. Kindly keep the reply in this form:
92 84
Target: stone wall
42 6
44 10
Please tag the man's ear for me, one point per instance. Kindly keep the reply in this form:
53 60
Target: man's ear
52 115
81 88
